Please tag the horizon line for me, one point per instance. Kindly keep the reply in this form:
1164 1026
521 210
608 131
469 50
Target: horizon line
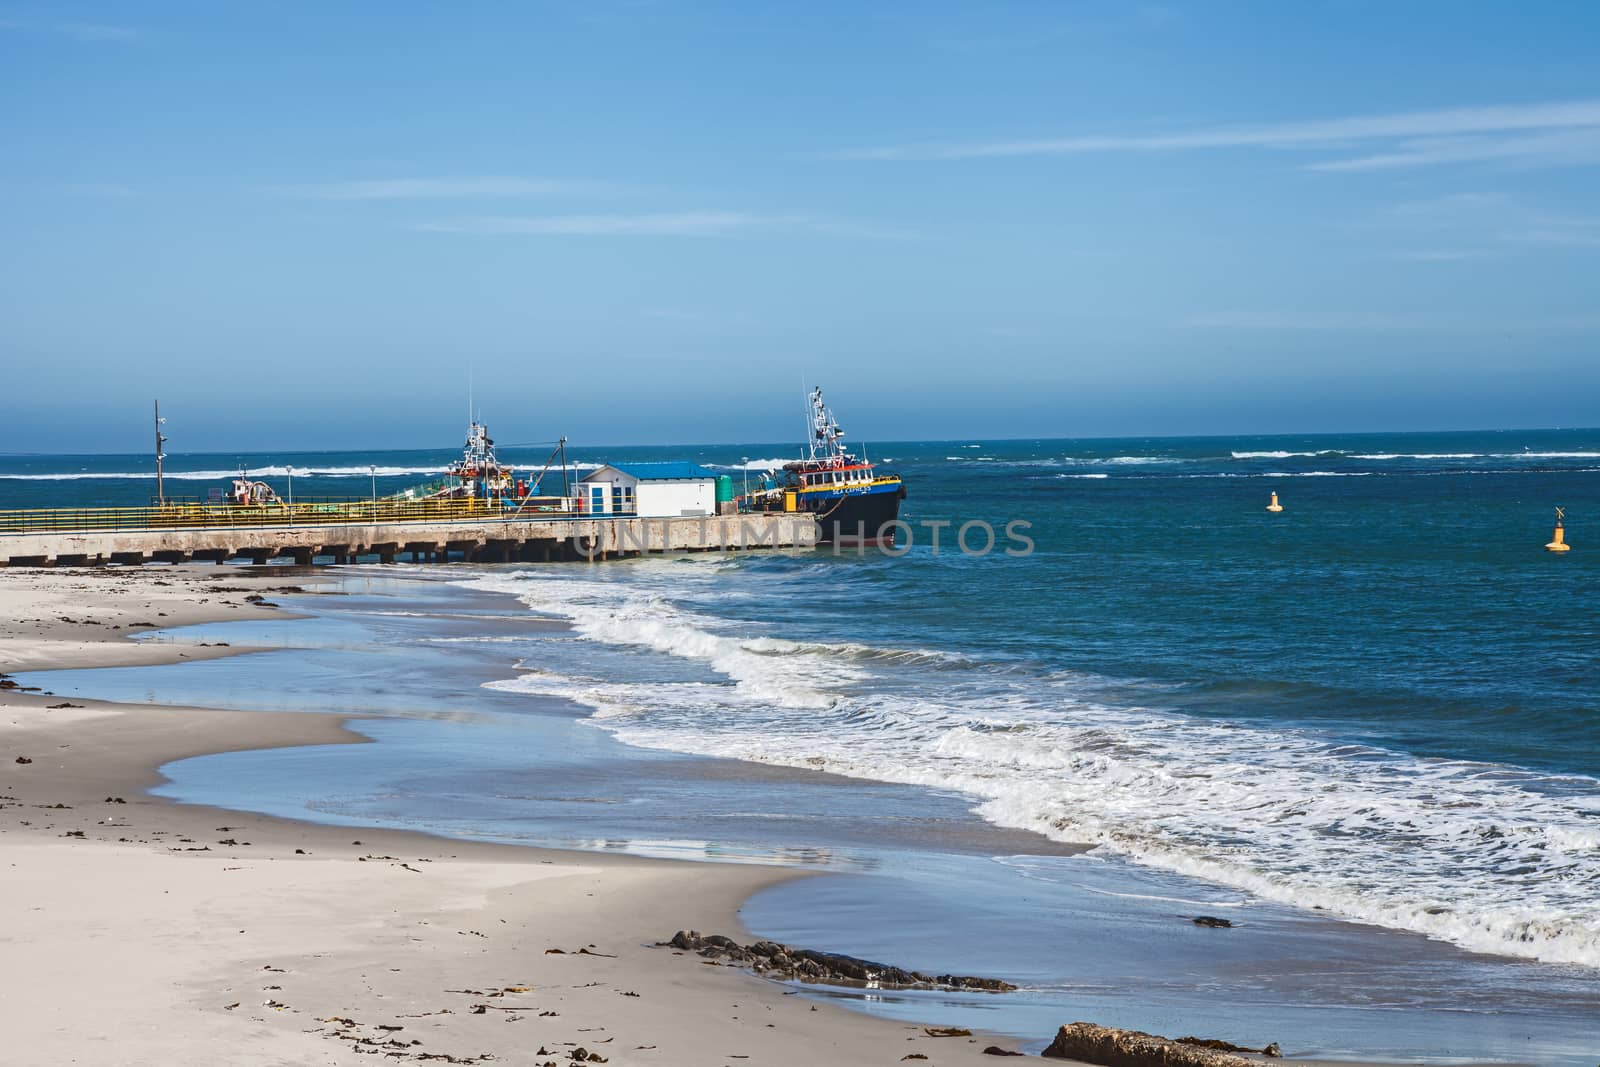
883 442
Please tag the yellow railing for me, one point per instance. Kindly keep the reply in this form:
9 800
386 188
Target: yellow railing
176 516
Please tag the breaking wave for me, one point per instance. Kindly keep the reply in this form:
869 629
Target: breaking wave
1488 856
225 475
273 471
1417 455
1285 455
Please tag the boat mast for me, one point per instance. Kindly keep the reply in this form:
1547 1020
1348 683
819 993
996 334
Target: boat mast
824 430
161 491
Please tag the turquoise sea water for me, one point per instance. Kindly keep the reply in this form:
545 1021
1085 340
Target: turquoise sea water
1382 705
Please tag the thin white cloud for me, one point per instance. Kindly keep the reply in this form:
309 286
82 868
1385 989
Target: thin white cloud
1496 219
1564 237
1454 206
1576 145
1361 321
1301 320
661 224
82 31
107 190
1441 255
672 224
98 31
439 188
1414 138
674 315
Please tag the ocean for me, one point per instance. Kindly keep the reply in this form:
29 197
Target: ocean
1369 723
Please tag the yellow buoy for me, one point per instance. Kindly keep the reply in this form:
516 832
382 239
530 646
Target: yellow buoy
1560 542
1274 506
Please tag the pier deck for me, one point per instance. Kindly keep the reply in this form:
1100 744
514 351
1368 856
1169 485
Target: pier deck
428 530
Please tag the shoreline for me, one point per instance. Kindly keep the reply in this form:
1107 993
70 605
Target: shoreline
245 934
310 941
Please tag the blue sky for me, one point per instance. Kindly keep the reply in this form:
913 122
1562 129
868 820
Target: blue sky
302 224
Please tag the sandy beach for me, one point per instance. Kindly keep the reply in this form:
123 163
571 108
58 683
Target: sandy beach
144 931
757 533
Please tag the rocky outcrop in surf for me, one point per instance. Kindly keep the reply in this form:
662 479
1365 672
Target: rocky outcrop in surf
808 965
1088 1043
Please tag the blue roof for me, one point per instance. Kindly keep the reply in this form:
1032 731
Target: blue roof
678 470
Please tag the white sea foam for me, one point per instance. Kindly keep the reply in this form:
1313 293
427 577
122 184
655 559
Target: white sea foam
1285 455
752 465
1091 461
1547 455
1047 869
1074 461
1315 474
1139 460
1472 455
1490 857
1417 455
634 615
224 475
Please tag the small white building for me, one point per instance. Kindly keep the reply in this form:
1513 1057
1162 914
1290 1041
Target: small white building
649 490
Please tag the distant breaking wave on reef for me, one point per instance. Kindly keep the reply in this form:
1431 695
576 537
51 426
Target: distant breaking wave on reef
274 471
1154 465
225 475
1491 857
1285 455
752 465
1136 459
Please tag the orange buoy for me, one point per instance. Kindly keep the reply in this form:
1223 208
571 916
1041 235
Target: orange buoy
1559 544
1274 506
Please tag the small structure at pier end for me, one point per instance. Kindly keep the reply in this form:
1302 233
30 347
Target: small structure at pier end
648 490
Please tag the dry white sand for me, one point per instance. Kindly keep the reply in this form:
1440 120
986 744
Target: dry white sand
147 932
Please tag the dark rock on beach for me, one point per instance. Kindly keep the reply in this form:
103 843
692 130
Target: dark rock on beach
1212 920
1089 1043
808 965
1227 1046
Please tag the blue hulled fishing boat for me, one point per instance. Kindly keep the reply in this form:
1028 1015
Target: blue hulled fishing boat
853 502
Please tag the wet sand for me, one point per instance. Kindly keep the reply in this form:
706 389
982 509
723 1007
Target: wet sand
144 931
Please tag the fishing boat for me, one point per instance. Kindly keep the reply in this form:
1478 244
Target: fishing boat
477 475
853 502
478 472
247 492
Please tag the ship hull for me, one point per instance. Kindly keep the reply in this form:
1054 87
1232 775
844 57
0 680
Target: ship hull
858 518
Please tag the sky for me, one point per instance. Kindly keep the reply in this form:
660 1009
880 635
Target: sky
307 225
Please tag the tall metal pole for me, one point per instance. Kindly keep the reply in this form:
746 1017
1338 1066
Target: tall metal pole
161 490
566 489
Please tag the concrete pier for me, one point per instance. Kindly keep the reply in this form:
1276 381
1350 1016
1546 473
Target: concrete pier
495 540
